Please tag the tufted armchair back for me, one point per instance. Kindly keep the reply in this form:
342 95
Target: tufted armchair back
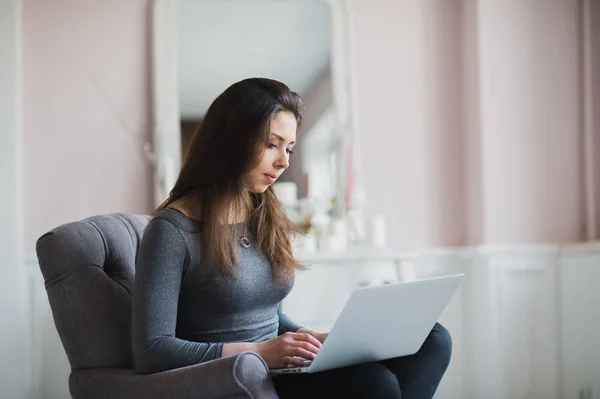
88 268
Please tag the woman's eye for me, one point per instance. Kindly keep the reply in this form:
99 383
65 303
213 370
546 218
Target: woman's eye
274 145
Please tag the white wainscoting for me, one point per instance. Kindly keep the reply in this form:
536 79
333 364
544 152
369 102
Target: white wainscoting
49 363
524 322
579 318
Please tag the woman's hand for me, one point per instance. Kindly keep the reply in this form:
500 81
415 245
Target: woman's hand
320 336
282 351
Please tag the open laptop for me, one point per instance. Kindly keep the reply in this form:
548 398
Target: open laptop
382 322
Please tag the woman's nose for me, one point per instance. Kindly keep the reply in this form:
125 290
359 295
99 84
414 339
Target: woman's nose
283 161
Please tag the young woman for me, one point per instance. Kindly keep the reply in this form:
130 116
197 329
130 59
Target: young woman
216 261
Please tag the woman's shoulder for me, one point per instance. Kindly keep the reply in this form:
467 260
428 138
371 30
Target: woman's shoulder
178 220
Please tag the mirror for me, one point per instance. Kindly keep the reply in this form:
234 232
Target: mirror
201 47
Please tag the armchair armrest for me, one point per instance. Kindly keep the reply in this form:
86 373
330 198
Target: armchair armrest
244 375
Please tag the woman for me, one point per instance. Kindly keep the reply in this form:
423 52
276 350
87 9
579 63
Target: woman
216 261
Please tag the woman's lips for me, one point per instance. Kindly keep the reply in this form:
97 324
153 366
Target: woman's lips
271 178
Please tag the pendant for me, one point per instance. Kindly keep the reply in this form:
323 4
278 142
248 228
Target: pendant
245 242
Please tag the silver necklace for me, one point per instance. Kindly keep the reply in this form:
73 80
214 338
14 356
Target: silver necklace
244 241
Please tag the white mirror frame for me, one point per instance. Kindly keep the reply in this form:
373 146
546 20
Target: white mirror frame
18 379
165 93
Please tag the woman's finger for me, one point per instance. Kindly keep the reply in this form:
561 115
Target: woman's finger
306 337
307 346
287 360
300 352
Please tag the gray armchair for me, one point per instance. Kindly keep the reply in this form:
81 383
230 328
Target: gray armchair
88 269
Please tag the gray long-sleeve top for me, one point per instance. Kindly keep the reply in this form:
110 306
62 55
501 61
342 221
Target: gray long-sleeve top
184 311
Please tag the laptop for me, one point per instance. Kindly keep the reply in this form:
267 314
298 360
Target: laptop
382 322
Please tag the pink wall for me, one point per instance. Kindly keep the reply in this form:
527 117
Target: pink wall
595 21
530 100
408 65
444 122
472 163
86 111
471 131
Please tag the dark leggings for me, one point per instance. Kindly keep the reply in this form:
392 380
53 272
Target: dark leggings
410 377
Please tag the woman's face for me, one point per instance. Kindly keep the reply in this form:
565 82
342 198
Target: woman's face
276 156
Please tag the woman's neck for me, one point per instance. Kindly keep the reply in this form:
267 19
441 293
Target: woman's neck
191 208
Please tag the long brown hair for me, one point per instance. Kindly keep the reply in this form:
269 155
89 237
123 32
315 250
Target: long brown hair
228 144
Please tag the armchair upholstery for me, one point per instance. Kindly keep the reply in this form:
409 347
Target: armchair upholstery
88 269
